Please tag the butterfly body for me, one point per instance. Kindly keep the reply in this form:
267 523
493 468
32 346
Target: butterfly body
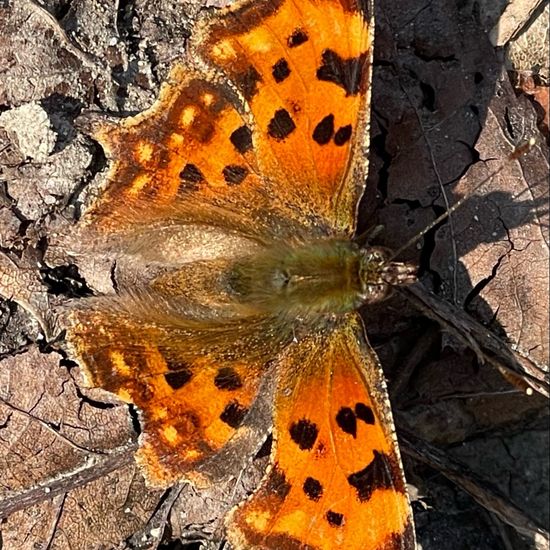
301 280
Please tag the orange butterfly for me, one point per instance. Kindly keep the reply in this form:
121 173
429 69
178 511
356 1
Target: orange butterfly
230 207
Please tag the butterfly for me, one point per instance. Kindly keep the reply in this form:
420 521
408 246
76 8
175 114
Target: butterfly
230 208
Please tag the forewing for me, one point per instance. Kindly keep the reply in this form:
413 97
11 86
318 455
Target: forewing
304 68
269 116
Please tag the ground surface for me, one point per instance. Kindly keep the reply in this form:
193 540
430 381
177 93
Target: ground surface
443 108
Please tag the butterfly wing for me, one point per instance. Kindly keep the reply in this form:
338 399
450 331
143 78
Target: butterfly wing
193 400
336 479
270 116
304 70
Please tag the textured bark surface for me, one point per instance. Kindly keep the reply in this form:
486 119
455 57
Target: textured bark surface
444 115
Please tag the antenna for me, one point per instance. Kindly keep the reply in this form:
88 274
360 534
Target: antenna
514 155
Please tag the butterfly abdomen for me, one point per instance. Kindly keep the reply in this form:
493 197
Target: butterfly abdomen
302 279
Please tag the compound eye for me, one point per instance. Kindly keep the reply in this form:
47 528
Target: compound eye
378 255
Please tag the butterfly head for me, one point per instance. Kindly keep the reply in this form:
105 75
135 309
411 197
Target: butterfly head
379 274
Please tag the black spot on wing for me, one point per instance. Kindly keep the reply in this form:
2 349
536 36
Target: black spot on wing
277 484
227 379
247 81
297 38
233 414
281 125
345 418
304 433
381 473
241 139
346 73
191 175
364 413
178 379
280 70
234 174
322 133
342 135
334 518
313 488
